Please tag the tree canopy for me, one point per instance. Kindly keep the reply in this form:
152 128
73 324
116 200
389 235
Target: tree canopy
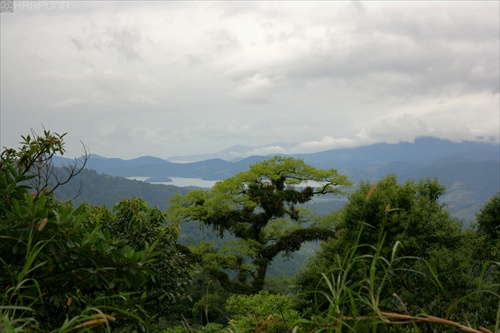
386 216
259 210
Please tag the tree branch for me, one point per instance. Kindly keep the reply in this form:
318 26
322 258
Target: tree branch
409 319
293 241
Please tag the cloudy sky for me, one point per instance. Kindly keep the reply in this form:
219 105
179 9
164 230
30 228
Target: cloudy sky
181 78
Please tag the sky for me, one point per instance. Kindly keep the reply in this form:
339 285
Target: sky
179 78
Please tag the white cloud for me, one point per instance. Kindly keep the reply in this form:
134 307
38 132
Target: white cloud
329 142
264 151
259 88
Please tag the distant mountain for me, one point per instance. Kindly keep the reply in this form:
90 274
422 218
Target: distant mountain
422 151
469 170
366 162
232 154
469 183
213 169
380 150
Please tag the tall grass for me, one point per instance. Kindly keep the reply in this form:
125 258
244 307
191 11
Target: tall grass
359 296
20 300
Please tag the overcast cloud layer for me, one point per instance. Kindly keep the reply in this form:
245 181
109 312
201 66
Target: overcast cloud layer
181 78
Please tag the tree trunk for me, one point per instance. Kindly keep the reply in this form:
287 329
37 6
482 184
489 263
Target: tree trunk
258 284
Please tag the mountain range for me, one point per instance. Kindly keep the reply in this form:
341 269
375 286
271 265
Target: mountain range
469 170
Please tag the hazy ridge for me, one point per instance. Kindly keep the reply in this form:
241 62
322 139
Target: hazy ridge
469 170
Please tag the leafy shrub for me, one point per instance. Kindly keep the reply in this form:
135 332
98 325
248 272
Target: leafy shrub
263 312
66 269
371 303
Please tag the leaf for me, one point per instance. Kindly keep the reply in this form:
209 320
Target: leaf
371 190
42 224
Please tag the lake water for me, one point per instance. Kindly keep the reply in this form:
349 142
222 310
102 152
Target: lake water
198 182
183 182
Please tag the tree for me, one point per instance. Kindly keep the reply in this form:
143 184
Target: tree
486 247
32 165
67 269
258 215
488 230
408 213
140 227
488 219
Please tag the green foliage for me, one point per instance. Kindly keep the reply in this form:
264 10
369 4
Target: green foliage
489 218
259 210
141 228
485 247
408 214
394 260
363 304
65 269
209 328
203 304
31 164
262 312
488 227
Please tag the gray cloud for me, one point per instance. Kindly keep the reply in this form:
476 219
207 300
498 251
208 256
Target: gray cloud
121 41
177 78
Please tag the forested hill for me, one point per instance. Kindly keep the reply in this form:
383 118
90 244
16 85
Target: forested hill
102 189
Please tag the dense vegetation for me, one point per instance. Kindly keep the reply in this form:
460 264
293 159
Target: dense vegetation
391 260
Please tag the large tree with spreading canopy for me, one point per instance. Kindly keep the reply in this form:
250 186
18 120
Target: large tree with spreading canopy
259 214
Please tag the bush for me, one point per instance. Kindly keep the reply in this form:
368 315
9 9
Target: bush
64 269
263 312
